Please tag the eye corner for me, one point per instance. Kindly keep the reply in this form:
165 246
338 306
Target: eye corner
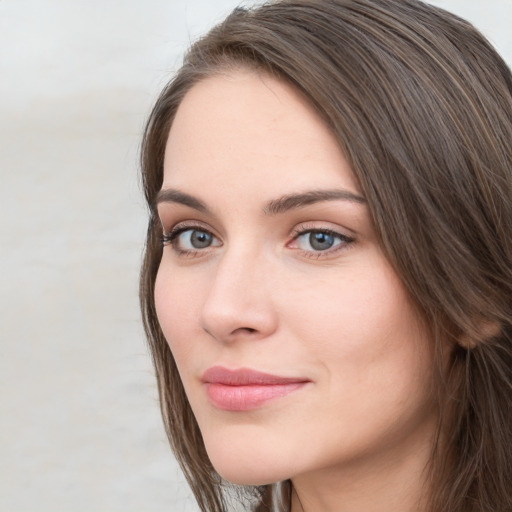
314 241
190 239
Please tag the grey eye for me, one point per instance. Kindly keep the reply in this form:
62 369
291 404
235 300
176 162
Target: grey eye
200 239
194 239
317 241
321 241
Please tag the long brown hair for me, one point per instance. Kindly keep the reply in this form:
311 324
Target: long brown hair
421 105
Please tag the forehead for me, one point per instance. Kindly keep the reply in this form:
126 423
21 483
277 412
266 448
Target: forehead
243 126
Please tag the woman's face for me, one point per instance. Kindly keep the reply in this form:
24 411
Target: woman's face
297 344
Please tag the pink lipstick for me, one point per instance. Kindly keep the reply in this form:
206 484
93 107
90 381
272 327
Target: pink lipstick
245 389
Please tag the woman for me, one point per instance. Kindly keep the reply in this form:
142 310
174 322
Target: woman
327 282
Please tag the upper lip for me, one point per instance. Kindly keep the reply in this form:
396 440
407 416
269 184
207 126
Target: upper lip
245 377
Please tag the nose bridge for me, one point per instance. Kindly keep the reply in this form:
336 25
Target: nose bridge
238 301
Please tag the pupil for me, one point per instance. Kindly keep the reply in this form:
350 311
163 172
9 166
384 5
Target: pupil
321 241
200 239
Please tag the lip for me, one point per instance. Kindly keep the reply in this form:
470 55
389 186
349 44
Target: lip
246 389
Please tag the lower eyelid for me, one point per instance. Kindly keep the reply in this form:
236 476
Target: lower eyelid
343 242
173 237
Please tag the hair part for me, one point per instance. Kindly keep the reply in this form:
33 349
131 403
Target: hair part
421 105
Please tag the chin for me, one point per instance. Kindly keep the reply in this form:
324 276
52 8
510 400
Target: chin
247 468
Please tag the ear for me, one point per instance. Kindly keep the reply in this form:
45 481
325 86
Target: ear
485 330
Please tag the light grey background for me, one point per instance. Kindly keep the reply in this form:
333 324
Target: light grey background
79 421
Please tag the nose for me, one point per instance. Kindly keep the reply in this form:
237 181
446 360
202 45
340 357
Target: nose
239 303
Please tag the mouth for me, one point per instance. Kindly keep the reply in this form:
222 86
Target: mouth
246 389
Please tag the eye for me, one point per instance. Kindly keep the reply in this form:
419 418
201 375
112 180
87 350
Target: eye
319 240
190 239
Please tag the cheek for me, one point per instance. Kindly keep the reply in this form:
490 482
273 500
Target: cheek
363 327
372 356
177 302
176 307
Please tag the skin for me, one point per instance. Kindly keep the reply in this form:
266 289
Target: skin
260 296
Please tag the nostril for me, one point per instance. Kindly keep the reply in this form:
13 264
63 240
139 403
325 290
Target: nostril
248 330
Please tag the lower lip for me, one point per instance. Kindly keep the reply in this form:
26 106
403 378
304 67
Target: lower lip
248 397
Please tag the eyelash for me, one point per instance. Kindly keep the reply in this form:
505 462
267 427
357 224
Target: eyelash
171 238
345 241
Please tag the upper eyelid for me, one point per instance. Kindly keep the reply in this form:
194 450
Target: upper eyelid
187 224
171 238
298 230
342 236
305 227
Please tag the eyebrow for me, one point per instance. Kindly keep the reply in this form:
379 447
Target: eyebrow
274 206
295 201
170 195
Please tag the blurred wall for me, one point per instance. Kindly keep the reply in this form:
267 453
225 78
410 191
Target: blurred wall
79 421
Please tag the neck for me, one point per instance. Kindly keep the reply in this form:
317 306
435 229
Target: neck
393 481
